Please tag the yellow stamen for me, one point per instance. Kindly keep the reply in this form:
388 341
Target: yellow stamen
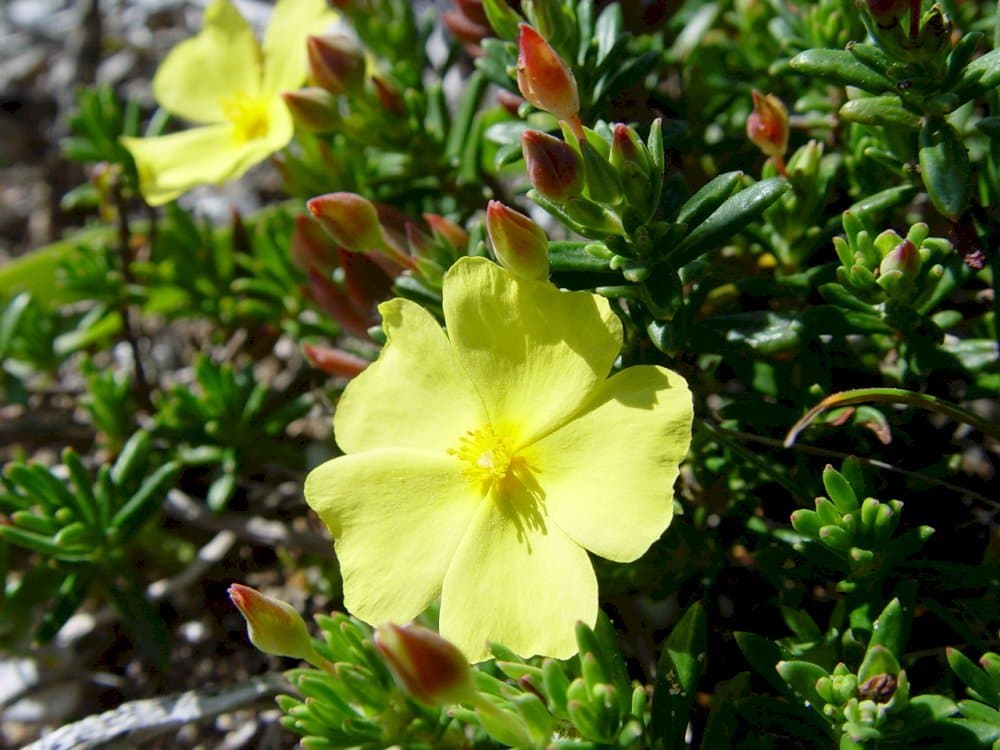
248 115
489 457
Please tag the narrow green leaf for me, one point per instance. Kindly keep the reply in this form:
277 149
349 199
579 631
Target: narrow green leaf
700 206
886 110
681 664
802 677
729 219
973 677
72 592
145 501
839 491
840 67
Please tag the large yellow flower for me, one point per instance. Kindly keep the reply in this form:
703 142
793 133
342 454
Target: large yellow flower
482 463
223 80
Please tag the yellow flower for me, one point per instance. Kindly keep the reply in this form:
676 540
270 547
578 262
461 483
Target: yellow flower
482 463
224 81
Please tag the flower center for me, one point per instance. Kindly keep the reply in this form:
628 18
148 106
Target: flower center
248 115
488 456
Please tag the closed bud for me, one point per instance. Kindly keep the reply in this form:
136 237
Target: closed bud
334 361
554 167
429 668
336 63
465 29
628 152
903 258
313 109
311 247
887 13
338 305
274 626
519 244
455 235
543 77
388 98
767 125
350 219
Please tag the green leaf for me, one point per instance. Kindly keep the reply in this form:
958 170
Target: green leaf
878 660
703 203
886 110
973 677
71 594
681 664
729 219
945 168
502 18
802 677
890 629
145 501
840 67
839 491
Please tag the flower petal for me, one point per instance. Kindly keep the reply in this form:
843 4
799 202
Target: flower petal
533 353
172 164
614 497
396 517
414 396
222 60
519 580
285 60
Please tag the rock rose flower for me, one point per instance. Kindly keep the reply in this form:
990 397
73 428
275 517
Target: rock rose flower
483 462
228 84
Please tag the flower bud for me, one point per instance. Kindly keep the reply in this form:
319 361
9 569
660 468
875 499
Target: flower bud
334 361
767 125
455 235
388 98
554 167
336 63
313 109
899 268
519 243
887 13
350 219
543 78
627 150
274 626
311 247
429 668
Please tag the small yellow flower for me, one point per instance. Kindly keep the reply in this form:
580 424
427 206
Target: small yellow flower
482 463
224 81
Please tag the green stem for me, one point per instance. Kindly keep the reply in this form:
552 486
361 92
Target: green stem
892 396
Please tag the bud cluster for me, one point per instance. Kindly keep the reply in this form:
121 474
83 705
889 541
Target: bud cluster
866 705
858 533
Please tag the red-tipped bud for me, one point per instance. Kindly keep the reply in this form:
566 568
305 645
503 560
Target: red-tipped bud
542 76
519 243
554 167
350 219
904 258
767 125
336 63
426 666
388 98
455 235
627 150
311 247
334 361
274 626
313 109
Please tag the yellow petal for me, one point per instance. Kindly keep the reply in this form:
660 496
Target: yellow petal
172 164
396 517
221 61
414 395
615 496
533 353
518 580
285 61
